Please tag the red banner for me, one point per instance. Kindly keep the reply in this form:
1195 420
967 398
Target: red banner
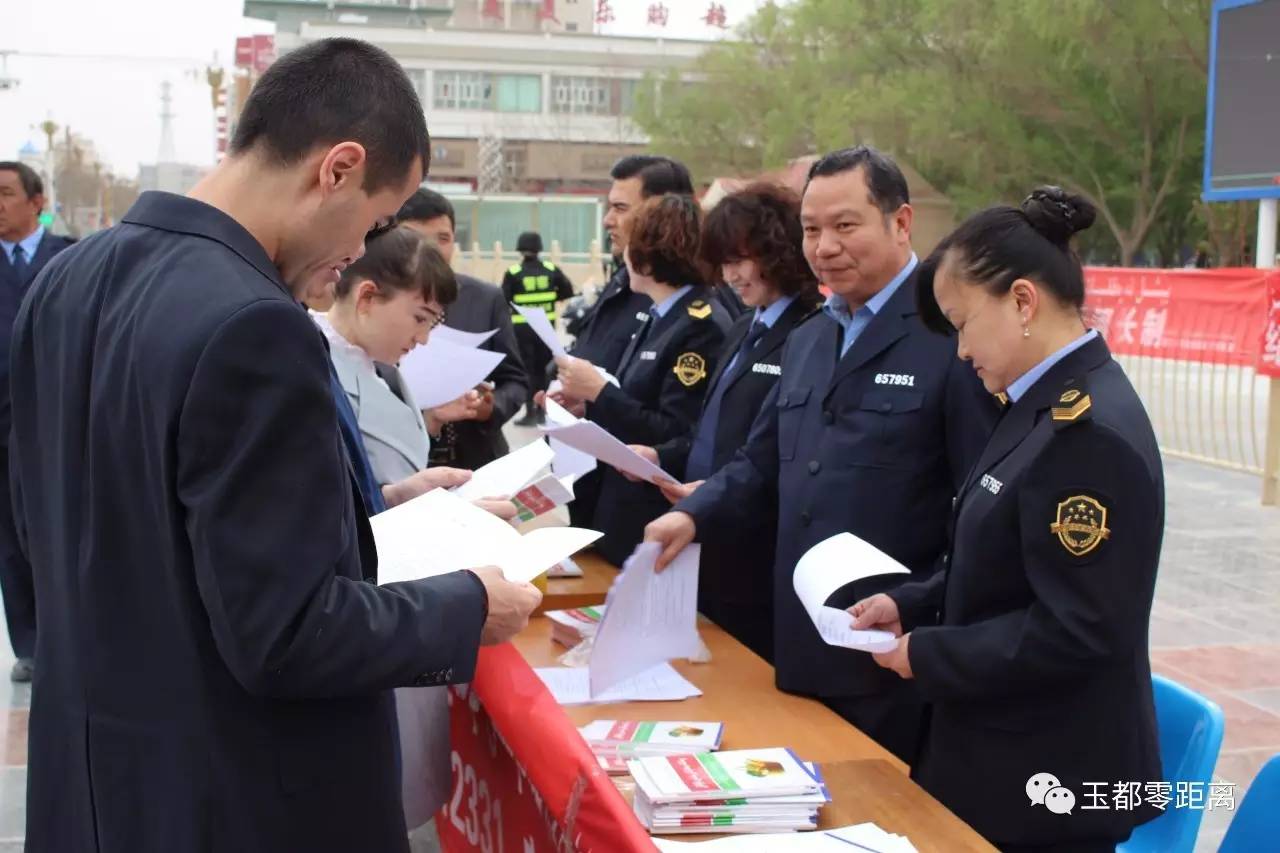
1219 316
524 780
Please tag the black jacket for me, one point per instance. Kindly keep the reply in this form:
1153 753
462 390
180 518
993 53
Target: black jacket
1032 647
735 583
472 444
215 668
876 443
614 317
663 377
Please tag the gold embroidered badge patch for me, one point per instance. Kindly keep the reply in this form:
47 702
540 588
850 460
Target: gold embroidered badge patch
1081 524
699 310
1069 397
690 369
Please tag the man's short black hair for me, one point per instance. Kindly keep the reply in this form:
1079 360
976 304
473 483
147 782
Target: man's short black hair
425 205
32 183
885 181
332 91
658 175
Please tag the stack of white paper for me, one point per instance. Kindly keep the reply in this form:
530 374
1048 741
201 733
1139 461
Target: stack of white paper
825 568
651 617
440 532
636 739
537 320
659 684
570 627
442 371
849 839
751 790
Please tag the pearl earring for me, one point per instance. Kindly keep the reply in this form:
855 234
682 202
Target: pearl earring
1026 333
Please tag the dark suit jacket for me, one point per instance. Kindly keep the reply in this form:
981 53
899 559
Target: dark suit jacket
657 399
12 289
479 308
214 666
876 443
1032 646
612 319
735 581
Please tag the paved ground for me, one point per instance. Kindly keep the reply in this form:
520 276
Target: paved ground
1214 629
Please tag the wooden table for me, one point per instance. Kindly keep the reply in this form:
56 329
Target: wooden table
867 783
586 591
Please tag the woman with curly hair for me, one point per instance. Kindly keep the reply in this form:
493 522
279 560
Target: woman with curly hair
754 238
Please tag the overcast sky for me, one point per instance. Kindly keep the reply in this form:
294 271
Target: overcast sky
98 65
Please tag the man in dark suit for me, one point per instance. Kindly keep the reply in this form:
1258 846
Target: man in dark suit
466 434
215 658
871 429
26 247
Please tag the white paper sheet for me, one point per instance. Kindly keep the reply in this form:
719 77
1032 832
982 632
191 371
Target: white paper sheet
503 477
659 684
566 568
829 565
441 372
592 439
651 617
541 497
537 320
440 532
461 338
568 462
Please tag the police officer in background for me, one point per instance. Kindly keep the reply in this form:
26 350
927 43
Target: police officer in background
534 283
1031 647
871 429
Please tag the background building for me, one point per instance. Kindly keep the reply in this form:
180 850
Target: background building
522 96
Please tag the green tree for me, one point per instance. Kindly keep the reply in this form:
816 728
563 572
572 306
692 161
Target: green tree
985 97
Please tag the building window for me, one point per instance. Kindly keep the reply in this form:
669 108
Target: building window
463 90
519 93
599 96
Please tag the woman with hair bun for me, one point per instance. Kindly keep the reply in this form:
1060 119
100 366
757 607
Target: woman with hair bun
1031 647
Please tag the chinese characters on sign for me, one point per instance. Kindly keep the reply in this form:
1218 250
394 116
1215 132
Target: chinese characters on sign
659 14
716 16
604 12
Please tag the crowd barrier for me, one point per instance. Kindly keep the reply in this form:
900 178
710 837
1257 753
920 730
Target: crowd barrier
1202 347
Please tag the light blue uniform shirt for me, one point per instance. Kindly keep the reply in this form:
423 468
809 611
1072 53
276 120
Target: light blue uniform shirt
854 322
1024 382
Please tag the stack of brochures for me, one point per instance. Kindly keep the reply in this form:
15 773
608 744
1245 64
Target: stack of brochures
748 790
570 627
615 742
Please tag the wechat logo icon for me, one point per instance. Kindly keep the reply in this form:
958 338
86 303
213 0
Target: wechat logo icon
1044 789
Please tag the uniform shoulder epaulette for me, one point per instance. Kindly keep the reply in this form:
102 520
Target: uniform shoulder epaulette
514 269
550 266
699 310
1074 406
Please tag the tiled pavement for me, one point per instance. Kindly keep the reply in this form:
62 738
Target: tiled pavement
1215 628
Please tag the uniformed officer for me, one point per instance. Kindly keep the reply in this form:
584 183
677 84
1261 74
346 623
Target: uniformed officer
534 283
618 312
1032 647
754 237
665 369
871 429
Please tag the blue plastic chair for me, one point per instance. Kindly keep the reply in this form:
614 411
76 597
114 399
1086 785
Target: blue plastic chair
1190 737
1256 825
